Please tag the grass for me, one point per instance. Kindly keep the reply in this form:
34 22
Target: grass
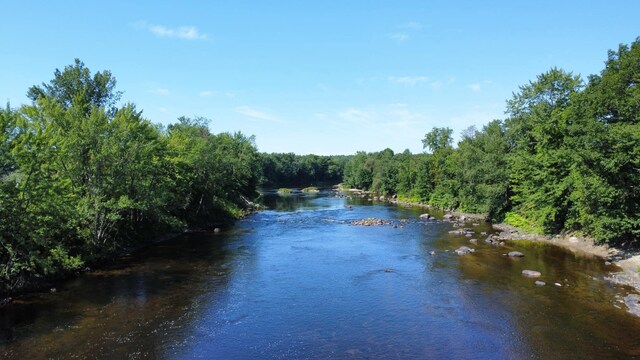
523 223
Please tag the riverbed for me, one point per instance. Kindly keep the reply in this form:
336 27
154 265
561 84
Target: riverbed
300 281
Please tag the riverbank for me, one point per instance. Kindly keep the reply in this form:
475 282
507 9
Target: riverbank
50 284
625 264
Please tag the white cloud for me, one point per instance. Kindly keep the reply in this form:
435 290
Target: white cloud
206 93
399 37
181 32
408 80
474 87
412 25
160 91
256 114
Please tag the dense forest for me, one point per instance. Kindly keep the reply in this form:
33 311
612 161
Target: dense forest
81 177
301 170
566 158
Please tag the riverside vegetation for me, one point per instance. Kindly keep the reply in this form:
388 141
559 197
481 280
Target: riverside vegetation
81 178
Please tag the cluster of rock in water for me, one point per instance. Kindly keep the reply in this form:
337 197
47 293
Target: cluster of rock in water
491 239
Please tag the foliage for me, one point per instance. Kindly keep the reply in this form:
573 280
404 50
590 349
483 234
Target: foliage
80 178
566 158
301 170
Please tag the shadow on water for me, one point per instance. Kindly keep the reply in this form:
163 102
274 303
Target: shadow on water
300 281
123 307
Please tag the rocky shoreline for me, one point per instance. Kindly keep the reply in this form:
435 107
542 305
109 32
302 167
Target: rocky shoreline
625 264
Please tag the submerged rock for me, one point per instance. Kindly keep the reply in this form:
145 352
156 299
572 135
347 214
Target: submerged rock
531 273
370 222
425 217
464 250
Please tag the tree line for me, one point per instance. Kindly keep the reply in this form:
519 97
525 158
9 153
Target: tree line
565 158
81 178
291 170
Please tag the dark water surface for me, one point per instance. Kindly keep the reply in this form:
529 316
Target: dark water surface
298 281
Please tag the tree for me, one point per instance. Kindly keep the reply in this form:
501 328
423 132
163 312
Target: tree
540 160
74 86
438 138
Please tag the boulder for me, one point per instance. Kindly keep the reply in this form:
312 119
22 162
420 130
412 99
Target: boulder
531 273
447 216
464 250
425 217
515 254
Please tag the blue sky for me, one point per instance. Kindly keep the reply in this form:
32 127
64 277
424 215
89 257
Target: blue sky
323 77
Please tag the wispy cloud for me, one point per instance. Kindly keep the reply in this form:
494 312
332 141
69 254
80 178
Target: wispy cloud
399 37
404 31
408 80
181 32
206 93
386 119
256 114
159 91
475 87
412 25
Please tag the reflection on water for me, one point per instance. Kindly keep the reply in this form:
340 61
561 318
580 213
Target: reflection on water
298 281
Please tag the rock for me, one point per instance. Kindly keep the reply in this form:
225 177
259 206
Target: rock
573 239
473 241
457 232
388 270
558 284
447 216
531 273
5 301
464 250
53 290
370 222
483 233
432 253
425 217
501 243
540 283
515 254
468 235
217 230
633 303
607 263
463 218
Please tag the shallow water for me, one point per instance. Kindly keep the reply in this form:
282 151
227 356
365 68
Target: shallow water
299 281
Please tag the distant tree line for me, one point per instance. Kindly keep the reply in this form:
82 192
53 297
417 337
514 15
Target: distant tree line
81 178
291 170
566 157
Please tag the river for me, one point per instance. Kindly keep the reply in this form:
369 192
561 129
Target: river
298 281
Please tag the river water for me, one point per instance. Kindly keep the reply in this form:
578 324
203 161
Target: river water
299 281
